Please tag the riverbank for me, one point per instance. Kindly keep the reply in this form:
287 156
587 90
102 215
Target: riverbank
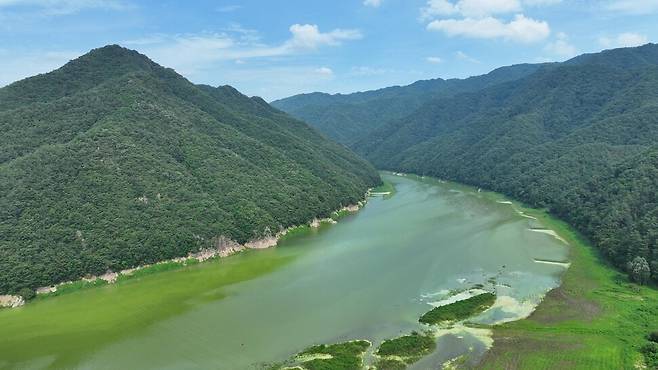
596 319
222 248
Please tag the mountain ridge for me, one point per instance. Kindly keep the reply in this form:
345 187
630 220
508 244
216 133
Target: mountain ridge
135 164
347 118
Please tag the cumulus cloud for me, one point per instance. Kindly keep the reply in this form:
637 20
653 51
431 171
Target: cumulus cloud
561 47
436 8
192 54
482 8
434 60
626 39
486 19
308 36
520 29
324 71
372 3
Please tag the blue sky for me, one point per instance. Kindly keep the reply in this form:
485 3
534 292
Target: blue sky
279 48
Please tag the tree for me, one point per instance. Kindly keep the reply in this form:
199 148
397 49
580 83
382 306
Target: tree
639 270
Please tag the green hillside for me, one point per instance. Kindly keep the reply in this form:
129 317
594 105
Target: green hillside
114 161
350 118
579 138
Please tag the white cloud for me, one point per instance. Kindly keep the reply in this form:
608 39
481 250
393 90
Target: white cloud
434 60
308 36
463 56
521 29
368 71
372 3
477 8
194 54
561 47
626 39
633 6
482 8
324 71
436 8
63 7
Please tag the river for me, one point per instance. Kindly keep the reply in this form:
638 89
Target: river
368 277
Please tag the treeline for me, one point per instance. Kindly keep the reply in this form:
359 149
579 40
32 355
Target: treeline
113 161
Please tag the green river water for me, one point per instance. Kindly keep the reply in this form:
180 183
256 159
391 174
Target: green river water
371 276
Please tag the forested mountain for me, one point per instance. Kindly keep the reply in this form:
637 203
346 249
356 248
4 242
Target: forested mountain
114 161
349 118
579 138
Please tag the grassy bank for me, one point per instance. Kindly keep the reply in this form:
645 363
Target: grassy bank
386 187
596 319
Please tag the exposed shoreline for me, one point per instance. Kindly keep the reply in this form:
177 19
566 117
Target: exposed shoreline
223 247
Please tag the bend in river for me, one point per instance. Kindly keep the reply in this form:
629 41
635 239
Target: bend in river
369 277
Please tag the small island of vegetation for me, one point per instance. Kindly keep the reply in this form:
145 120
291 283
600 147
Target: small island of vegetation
459 310
346 355
400 352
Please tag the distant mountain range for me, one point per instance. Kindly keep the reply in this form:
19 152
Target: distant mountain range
579 137
349 118
113 161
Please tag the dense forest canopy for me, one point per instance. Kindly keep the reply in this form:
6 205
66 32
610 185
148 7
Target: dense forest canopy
114 161
349 118
579 138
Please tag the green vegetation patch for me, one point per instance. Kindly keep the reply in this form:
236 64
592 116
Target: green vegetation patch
399 352
459 310
385 187
348 355
390 364
339 356
596 319
340 214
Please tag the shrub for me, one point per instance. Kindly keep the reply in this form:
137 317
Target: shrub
653 336
27 293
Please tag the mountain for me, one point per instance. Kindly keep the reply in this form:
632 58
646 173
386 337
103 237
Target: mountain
349 118
579 138
113 161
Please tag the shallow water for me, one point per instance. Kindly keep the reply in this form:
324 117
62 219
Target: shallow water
369 277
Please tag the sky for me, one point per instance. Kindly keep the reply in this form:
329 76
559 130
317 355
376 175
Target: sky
277 48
